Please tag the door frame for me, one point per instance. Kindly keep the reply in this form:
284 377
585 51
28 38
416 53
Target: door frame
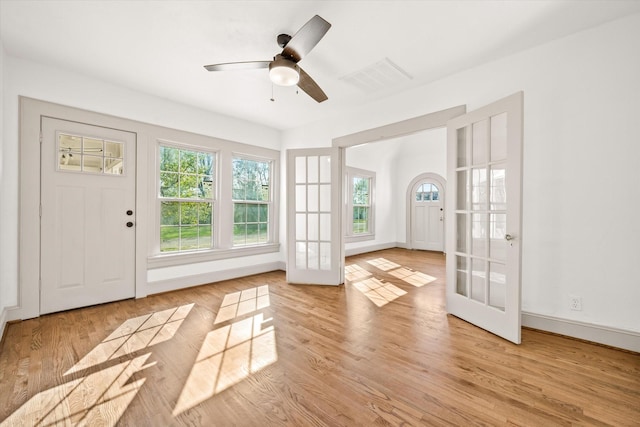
31 111
442 184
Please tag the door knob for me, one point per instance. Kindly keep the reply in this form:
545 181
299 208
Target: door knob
508 237
129 212
129 224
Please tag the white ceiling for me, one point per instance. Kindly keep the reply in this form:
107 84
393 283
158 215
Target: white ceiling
160 47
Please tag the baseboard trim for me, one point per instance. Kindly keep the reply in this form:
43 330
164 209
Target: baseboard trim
3 325
369 248
211 277
614 337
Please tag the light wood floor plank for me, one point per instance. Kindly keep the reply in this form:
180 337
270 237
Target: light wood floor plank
306 356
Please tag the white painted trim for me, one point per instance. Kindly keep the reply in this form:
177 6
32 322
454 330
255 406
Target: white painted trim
442 183
182 258
370 248
3 322
212 277
402 128
614 337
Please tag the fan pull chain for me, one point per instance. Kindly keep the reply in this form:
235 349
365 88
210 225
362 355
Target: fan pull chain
272 98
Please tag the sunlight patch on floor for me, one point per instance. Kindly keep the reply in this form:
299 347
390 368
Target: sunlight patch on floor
355 273
231 352
134 335
383 264
380 293
412 277
99 398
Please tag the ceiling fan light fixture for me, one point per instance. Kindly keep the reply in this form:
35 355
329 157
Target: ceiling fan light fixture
283 72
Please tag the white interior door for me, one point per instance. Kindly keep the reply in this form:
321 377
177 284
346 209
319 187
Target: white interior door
87 219
484 152
315 250
427 226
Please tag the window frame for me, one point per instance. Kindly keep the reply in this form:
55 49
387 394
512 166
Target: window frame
213 199
222 224
270 203
350 174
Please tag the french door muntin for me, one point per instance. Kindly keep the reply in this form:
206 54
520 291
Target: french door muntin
484 167
315 252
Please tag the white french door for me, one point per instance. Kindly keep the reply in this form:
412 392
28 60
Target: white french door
484 155
87 239
315 253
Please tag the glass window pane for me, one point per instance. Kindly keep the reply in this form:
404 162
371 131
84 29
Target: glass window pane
188 161
435 193
325 227
170 213
69 144
479 146
188 237
301 198
478 279
239 213
313 258
301 170
479 234
312 198
313 227
169 184
463 190
264 233
325 169
461 275
497 243
204 213
239 234
312 169
498 188
461 232
301 255
92 146
113 166
92 164
325 197
479 189
263 213
204 237
205 164
169 238
252 234
499 137
253 213
205 184
188 213
497 285
462 147
325 256
189 187
301 226
113 149
169 159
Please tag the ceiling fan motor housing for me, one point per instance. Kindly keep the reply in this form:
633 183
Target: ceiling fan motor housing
283 39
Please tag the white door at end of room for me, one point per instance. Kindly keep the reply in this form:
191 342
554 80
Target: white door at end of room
427 216
87 220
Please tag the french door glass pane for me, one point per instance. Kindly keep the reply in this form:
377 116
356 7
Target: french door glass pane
479 146
478 279
462 148
312 169
499 137
479 188
463 194
461 275
498 189
497 242
461 238
479 234
497 285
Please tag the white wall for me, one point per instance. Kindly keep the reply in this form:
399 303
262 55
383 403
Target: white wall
581 192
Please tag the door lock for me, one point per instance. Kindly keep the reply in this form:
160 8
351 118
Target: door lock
129 224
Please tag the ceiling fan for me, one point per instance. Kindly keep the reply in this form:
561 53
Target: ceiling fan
284 69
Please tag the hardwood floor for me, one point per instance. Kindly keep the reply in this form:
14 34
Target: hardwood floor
379 350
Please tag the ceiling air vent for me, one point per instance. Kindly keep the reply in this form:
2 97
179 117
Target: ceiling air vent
381 75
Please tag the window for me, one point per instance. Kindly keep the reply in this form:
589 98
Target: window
251 201
90 155
186 196
427 192
360 221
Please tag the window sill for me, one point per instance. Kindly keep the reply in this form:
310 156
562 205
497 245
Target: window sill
359 238
170 260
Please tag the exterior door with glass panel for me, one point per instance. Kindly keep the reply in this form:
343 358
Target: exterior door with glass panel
484 152
427 218
314 226
87 239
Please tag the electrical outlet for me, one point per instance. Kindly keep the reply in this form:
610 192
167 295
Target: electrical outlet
575 303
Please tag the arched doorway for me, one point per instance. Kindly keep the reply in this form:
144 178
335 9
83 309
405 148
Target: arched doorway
425 212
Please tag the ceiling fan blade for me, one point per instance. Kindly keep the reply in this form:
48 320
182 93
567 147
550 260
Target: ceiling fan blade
230 66
306 38
311 88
